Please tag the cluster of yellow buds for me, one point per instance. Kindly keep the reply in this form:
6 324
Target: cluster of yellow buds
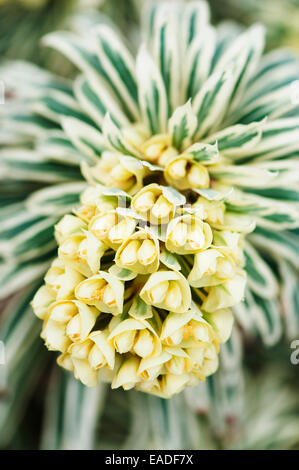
141 291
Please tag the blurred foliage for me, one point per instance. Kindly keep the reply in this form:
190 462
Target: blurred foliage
281 18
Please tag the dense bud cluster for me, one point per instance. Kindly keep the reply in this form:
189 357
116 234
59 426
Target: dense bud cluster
141 291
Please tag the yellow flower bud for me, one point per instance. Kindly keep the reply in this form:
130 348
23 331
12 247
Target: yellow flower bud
182 326
144 344
196 355
86 212
183 173
65 361
177 169
198 176
152 204
80 350
126 376
82 253
54 335
172 384
41 301
211 211
96 358
188 234
61 281
210 366
198 330
55 277
167 290
176 365
68 321
162 208
225 269
147 253
73 328
101 224
139 253
173 297
145 202
211 267
68 225
104 291
129 255
158 293
153 148
85 373
102 352
63 312
225 295
149 386
121 231
123 342
151 367
119 171
222 321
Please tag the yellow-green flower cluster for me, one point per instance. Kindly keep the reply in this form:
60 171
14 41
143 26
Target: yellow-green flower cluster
141 290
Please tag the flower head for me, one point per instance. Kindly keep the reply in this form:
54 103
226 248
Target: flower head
181 166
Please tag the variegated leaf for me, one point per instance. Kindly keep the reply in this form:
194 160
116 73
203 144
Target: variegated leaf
246 50
116 140
195 17
285 217
267 319
72 427
289 298
204 153
55 105
118 64
31 165
165 51
234 140
279 138
14 276
152 94
88 140
276 69
55 200
97 101
244 176
260 277
57 147
210 103
182 125
198 61
283 243
84 54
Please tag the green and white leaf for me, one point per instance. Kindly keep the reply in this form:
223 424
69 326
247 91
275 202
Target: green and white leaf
151 92
289 298
72 413
118 64
88 140
260 277
182 125
244 176
97 101
198 61
55 200
116 140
